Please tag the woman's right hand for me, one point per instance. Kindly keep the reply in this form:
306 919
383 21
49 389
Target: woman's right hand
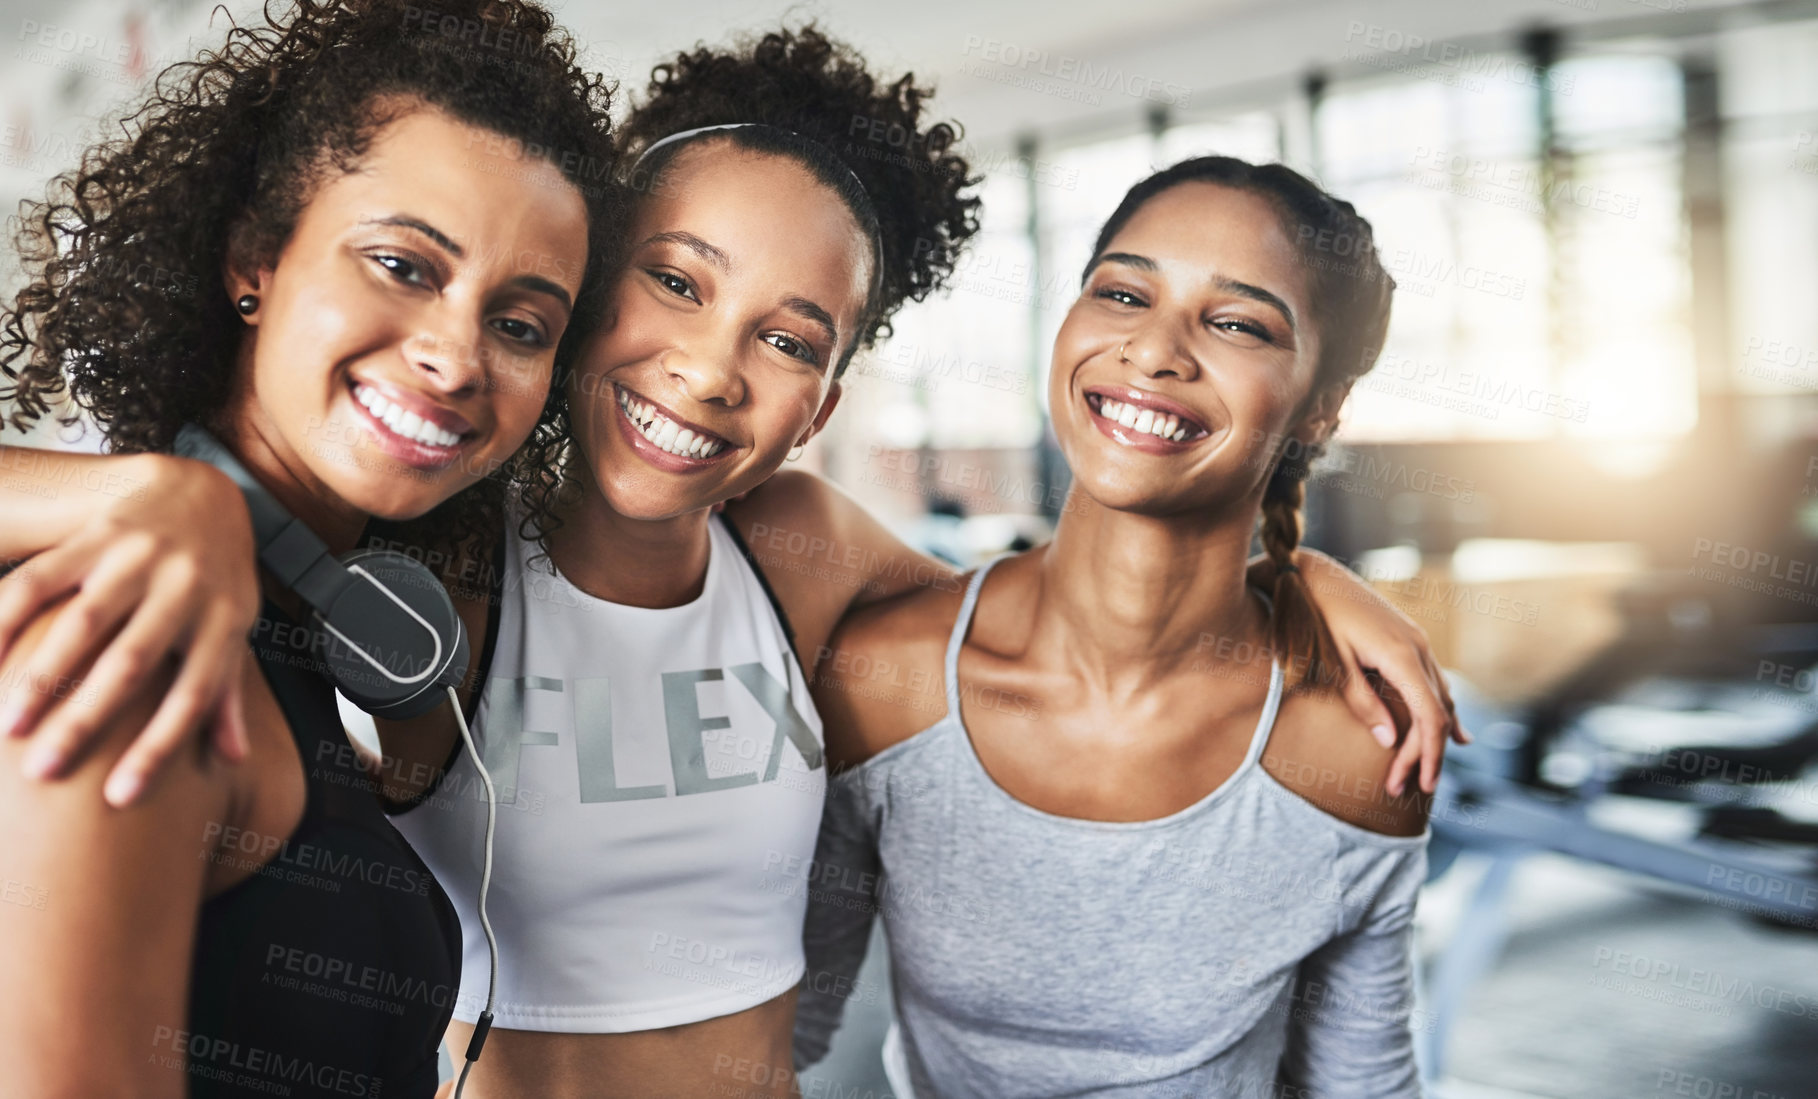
166 571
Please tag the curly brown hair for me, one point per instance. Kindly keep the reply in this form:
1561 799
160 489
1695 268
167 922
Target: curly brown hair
809 97
222 157
815 100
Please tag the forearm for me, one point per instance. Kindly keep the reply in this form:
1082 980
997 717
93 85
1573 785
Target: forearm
825 553
884 564
47 495
842 906
1350 1034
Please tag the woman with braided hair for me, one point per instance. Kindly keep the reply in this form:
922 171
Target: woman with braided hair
1118 865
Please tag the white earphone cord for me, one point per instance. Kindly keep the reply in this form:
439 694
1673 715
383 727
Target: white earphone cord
484 1025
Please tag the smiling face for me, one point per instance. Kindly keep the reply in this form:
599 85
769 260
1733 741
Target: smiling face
405 336
744 283
1181 368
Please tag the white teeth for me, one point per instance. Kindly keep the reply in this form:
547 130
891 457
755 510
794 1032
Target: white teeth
403 423
666 433
1161 424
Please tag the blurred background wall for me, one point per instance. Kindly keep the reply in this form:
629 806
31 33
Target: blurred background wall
1586 462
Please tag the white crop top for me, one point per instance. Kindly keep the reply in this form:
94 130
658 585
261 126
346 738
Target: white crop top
660 780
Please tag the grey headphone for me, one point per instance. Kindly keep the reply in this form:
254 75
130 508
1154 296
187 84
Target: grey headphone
387 634
388 638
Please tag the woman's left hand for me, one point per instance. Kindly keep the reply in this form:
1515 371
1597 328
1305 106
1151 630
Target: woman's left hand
164 573
1380 645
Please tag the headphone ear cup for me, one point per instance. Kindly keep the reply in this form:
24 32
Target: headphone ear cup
392 640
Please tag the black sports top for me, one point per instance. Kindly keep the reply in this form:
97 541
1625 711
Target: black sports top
332 969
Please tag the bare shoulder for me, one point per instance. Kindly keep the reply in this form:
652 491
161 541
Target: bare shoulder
824 551
790 496
878 680
794 522
1319 750
797 528
99 898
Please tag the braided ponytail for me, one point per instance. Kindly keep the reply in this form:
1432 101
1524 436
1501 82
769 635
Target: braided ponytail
1351 293
1297 632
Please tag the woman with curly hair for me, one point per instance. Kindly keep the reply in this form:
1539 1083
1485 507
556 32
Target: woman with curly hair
343 190
643 693
640 689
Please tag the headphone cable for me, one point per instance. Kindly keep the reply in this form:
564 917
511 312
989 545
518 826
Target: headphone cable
484 1025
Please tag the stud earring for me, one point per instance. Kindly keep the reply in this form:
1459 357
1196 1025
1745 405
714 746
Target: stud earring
247 304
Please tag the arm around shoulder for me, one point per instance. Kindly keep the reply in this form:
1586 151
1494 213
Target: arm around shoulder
880 679
1320 751
801 524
